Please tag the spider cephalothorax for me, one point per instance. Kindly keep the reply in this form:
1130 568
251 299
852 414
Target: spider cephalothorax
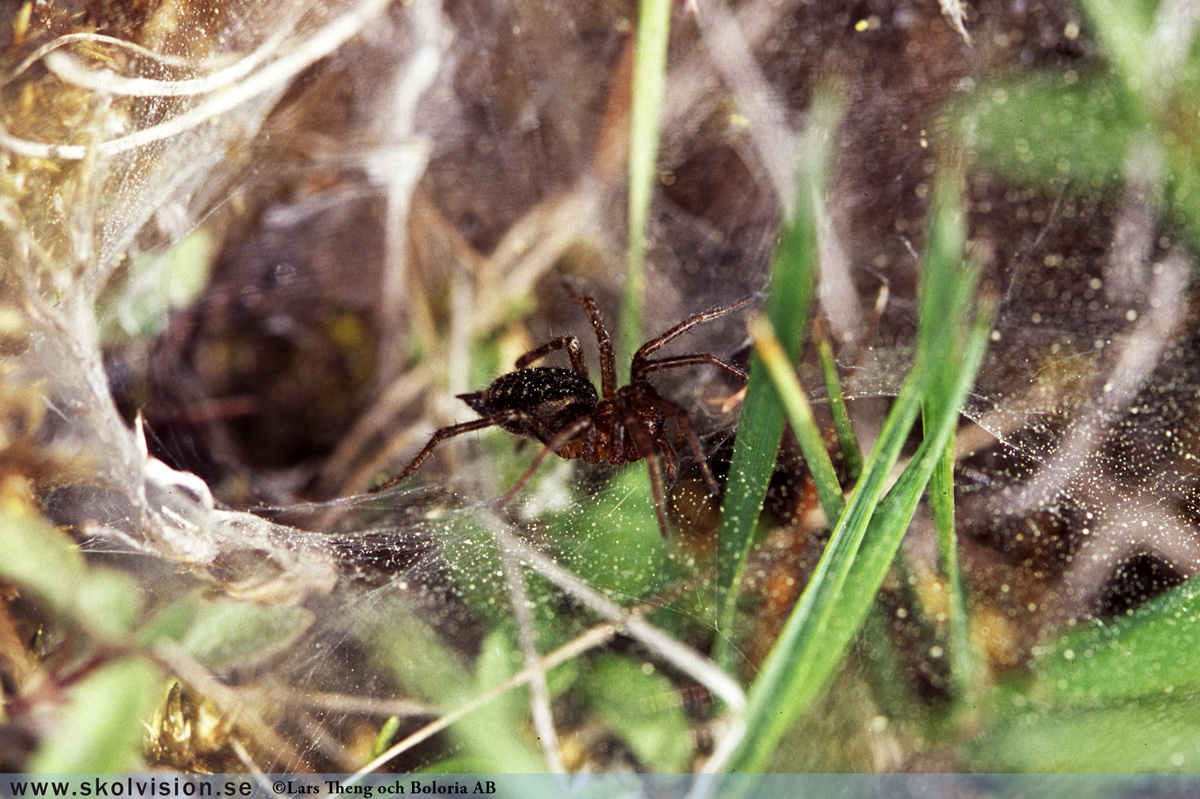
561 409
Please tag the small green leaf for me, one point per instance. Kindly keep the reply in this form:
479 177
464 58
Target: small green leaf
384 739
158 282
1145 735
1048 127
497 731
108 603
642 707
1150 651
101 727
618 546
169 623
227 633
38 557
498 660
416 656
43 560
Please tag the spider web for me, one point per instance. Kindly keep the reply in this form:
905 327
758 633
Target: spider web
1078 471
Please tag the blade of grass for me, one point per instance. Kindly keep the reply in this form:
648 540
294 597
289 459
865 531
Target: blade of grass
847 440
944 288
649 82
843 586
941 502
780 683
799 413
1123 28
946 242
1154 734
1150 651
896 510
384 739
761 426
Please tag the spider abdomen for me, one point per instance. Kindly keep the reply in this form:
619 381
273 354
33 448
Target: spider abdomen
549 397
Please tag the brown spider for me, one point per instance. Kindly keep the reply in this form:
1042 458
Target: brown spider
560 408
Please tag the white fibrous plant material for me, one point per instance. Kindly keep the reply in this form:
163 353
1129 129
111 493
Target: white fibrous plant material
158 146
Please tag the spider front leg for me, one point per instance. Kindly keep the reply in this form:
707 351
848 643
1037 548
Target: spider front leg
643 367
655 344
656 487
445 433
569 343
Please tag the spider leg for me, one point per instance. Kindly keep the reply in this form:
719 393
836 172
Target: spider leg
646 444
562 437
441 435
678 330
676 361
569 343
656 487
669 459
680 416
608 360
616 440
589 445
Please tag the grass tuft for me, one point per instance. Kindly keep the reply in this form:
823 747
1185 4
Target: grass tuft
762 422
867 534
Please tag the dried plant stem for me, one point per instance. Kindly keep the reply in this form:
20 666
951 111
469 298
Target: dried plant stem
543 716
273 76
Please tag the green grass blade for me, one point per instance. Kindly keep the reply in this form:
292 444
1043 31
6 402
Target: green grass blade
384 739
649 83
784 686
941 502
843 587
847 440
1124 30
762 421
864 540
1153 734
941 289
896 510
945 288
799 413
1150 651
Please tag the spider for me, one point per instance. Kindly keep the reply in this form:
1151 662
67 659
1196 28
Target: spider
560 408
